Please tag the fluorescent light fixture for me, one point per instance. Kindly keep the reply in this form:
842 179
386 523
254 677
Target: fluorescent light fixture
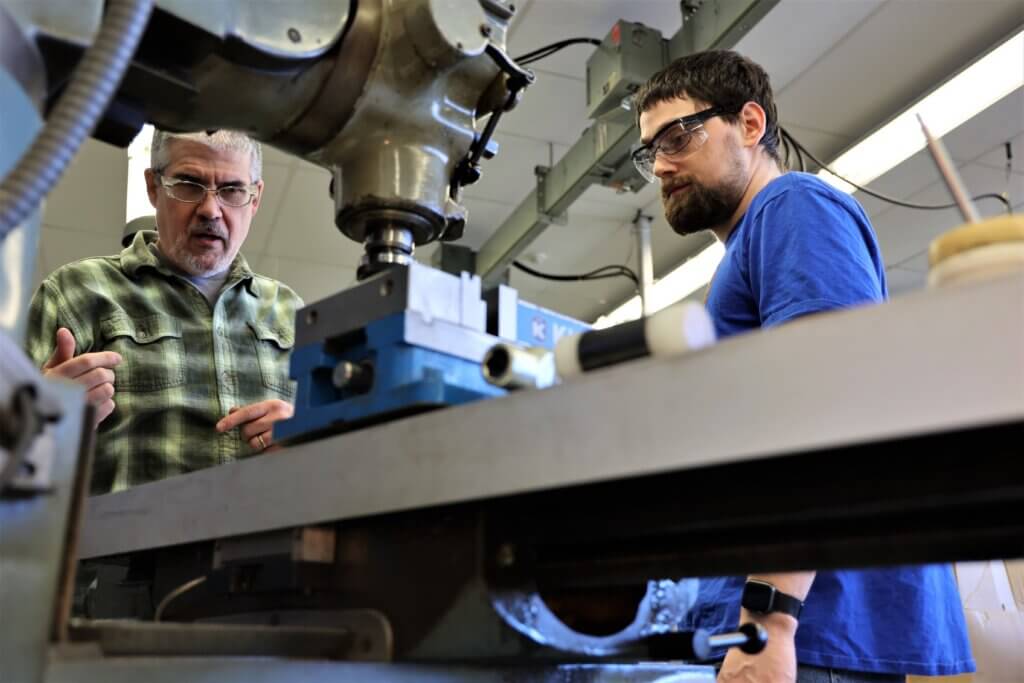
137 200
970 92
959 99
677 285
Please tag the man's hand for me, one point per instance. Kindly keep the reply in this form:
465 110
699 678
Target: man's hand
775 664
256 421
94 371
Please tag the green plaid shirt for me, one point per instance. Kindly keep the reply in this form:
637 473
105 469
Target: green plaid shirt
185 362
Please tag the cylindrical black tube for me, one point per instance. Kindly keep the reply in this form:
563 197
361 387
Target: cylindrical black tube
669 332
601 348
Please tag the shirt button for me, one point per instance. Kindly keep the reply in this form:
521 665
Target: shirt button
226 376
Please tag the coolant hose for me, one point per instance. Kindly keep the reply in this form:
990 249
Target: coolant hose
95 79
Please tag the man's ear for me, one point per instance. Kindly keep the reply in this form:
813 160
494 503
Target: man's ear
753 121
259 196
151 186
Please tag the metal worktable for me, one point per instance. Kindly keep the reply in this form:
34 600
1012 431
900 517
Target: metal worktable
888 428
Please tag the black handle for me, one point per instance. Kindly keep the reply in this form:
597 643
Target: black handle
700 645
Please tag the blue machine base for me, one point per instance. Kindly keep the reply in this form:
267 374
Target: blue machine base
406 378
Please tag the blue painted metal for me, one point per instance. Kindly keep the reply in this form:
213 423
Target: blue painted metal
406 377
540 327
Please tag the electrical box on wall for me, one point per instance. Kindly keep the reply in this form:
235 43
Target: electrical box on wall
629 55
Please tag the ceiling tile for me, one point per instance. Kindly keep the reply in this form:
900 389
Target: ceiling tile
996 156
902 281
63 246
883 65
820 143
1000 122
305 230
918 264
276 180
820 25
484 216
272 155
544 22
608 204
905 233
91 194
314 281
509 176
984 179
553 108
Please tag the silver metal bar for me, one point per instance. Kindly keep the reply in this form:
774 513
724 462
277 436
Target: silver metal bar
82 668
605 144
717 24
603 147
949 175
645 260
843 378
34 530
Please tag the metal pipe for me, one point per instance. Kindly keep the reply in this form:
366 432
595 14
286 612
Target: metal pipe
76 114
513 367
645 260
669 332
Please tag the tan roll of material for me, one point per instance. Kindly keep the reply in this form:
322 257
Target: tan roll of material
978 250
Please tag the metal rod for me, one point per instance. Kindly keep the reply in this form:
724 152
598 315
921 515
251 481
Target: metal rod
645 260
949 174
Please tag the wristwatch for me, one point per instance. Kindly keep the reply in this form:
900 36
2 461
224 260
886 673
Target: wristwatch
761 597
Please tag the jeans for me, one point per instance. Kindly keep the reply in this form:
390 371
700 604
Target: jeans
814 674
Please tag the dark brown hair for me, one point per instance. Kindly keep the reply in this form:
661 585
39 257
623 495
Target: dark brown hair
720 78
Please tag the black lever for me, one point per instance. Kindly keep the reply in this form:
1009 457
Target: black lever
750 638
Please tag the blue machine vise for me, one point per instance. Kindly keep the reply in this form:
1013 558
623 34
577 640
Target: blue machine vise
405 340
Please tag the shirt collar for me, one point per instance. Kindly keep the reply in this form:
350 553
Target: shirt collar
137 256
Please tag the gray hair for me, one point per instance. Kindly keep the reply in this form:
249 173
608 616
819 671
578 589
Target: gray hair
220 140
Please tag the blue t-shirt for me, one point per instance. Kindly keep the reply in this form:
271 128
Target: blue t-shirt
804 247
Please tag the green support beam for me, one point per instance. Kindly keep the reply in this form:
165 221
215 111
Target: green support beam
601 155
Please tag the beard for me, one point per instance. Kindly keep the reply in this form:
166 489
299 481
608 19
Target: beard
704 206
204 263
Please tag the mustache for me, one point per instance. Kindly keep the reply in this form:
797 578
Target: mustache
671 185
209 229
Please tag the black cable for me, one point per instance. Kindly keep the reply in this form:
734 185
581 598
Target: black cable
893 200
548 50
792 143
597 274
541 52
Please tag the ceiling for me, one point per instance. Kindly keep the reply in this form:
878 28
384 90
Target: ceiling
840 69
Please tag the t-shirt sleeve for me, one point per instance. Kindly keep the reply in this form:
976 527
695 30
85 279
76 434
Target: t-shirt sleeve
807 253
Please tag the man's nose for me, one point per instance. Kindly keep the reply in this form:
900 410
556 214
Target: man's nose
209 208
664 168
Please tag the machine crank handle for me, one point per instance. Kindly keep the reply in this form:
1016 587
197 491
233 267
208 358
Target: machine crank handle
700 645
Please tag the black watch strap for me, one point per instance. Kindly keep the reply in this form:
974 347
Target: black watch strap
761 597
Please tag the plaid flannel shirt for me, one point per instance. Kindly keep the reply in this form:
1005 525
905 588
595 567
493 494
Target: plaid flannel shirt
185 362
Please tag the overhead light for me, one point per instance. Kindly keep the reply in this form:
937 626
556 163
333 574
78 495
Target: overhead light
676 286
959 99
979 86
137 199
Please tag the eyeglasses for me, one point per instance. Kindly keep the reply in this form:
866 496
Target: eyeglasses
193 193
679 139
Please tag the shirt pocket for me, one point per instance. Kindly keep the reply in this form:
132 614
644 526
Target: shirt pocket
152 352
273 350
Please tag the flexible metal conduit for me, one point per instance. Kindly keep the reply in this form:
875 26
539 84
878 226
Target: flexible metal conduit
96 78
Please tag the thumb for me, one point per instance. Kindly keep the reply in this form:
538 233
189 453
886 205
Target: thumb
65 350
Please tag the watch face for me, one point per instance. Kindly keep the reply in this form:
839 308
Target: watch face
757 597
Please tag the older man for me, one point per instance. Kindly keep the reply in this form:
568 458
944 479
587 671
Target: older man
183 349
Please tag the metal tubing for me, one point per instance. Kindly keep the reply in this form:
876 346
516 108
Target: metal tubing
645 260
